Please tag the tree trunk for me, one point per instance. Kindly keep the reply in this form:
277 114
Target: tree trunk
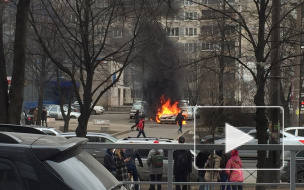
17 85
3 76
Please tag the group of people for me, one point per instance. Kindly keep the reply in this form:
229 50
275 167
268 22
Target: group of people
121 162
43 116
220 167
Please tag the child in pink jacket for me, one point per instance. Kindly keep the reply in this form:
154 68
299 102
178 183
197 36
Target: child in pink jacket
233 169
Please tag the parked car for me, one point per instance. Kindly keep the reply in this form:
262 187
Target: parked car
48 130
95 137
55 112
140 108
285 172
208 138
63 163
96 109
288 138
296 131
144 171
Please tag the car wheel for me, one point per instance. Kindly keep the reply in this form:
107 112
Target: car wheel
130 117
93 112
73 117
300 177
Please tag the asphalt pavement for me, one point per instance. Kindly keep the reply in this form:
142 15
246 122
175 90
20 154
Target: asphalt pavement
117 124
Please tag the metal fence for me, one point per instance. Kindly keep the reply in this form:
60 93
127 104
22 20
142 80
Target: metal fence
171 147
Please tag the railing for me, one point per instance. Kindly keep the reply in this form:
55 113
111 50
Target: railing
171 147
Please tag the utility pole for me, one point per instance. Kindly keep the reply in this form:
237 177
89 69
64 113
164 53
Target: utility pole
296 79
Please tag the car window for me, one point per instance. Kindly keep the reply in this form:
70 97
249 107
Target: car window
9 177
301 132
79 166
97 139
53 109
293 131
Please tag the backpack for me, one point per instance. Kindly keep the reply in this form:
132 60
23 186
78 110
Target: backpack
182 161
157 160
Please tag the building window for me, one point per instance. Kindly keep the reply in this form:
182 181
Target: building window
117 33
190 15
209 14
190 47
190 31
190 2
173 31
208 46
209 30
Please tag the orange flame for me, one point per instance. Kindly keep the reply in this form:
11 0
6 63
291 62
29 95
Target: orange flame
168 109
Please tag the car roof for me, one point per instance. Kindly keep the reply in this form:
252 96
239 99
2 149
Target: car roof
20 129
290 128
146 140
44 146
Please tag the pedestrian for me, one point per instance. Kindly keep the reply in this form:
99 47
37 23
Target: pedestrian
223 175
35 117
182 167
120 162
132 154
179 119
213 165
155 163
234 171
109 162
44 117
136 119
141 127
200 162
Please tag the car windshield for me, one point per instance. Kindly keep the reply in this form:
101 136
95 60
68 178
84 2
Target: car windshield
78 166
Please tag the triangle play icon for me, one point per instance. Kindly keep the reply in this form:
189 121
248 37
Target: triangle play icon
235 137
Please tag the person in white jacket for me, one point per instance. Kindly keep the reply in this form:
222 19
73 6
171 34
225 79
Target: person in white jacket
155 163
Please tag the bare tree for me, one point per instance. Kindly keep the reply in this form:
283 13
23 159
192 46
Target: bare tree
93 34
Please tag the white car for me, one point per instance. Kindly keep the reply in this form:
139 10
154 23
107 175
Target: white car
96 109
55 112
296 131
134 108
97 138
288 138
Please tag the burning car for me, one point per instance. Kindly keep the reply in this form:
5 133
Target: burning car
168 112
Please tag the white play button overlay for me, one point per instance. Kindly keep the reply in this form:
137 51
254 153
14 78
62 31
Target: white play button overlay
235 137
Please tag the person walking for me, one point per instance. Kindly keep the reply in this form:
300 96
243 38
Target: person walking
233 169
155 163
35 117
200 162
179 119
44 117
141 127
132 154
136 119
182 164
120 162
109 162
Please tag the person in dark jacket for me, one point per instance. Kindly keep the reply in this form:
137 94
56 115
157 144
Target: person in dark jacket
179 119
156 173
181 173
120 161
200 162
44 117
109 161
223 176
132 154
136 119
